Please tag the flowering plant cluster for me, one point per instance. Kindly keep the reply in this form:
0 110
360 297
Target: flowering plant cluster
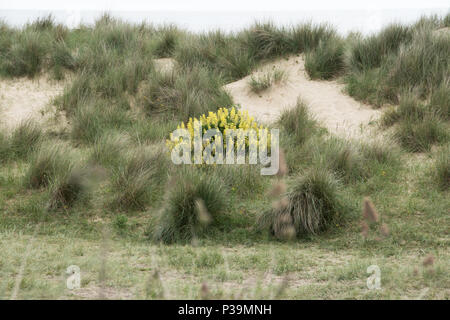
223 122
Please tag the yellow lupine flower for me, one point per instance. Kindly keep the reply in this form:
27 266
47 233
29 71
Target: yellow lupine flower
223 119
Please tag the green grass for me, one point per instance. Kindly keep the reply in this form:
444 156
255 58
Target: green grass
69 189
109 148
138 179
194 205
441 168
397 59
313 206
185 93
264 81
25 138
48 163
420 135
326 60
298 122
91 120
369 52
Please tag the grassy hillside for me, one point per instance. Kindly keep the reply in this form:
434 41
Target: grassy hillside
103 194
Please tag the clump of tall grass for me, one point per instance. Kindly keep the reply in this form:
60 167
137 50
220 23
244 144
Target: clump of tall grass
298 122
422 65
90 120
367 86
341 158
244 180
369 52
26 55
349 162
4 147
313 205
7 36
109 148
123 78
307 36
441 168
61 59
146 131
265 40
235 56
48 163
168 37
138 179
440 100
68 189
410 108
218 52
420 62
24 139
380 152
420 135
263 82
111 64
194 204
184 93
326 60
420 124
430 22
77 93
44 23
446 21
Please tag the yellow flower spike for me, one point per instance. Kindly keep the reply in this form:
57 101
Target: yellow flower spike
223 120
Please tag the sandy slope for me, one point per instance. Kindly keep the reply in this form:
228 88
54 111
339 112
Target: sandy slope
337 111
23 98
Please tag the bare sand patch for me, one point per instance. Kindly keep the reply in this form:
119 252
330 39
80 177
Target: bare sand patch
164 64
442 31
335 110
23 98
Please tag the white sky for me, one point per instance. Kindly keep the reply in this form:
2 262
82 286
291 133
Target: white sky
212 5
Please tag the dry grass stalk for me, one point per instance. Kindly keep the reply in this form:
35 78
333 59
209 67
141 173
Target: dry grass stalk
364 229
428 261
278 189
283 168
204 292
203 215
369 211
384 230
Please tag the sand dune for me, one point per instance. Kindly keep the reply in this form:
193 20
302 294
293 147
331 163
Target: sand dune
23 98
337 111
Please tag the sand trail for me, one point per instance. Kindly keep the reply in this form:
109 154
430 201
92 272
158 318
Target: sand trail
335 110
